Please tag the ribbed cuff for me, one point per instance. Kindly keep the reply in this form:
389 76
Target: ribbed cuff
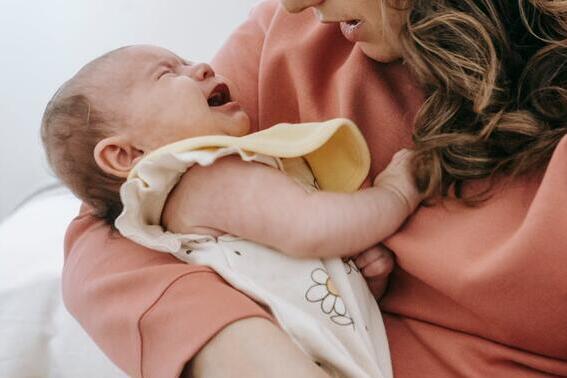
191 311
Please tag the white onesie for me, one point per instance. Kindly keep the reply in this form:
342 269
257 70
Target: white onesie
324 305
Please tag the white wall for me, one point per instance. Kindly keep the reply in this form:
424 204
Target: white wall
44 42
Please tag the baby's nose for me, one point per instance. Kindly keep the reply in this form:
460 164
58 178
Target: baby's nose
202 71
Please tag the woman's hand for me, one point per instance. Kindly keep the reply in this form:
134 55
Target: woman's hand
398 178
376 264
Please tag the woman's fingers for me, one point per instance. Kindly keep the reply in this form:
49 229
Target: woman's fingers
375 262
377 287
380 268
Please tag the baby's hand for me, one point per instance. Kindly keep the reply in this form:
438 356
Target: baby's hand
398 179
376 264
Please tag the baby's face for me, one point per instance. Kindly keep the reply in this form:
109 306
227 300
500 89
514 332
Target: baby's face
163 98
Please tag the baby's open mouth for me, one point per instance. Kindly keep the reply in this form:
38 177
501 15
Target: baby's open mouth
219 96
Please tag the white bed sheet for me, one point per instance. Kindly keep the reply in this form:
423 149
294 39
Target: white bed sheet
38 337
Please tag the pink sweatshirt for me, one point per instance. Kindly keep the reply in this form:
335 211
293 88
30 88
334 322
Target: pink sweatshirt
478 292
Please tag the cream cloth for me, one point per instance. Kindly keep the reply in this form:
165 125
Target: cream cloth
324 305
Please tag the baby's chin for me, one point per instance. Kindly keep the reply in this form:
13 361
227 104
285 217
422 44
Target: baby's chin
239 125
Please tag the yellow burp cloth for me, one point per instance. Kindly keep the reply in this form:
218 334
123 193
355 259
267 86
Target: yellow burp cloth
335 150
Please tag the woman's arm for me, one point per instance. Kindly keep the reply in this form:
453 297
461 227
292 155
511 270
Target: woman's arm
149 312
263 350
263 204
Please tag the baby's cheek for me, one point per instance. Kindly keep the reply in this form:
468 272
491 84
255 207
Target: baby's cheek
240 124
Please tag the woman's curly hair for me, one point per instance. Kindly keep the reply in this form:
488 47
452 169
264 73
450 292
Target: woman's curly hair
495 75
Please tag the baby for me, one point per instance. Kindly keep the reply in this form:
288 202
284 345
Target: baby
247 205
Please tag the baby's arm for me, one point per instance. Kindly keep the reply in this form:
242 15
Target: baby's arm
262 204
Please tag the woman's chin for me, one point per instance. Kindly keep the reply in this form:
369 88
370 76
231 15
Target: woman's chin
381 54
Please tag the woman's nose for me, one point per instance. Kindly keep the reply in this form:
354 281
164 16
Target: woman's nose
201 71
295 6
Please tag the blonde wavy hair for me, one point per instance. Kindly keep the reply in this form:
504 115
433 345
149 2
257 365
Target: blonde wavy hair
495 73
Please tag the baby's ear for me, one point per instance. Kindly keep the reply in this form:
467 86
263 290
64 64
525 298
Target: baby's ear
116 156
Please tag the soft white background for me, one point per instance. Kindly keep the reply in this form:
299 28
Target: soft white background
44 42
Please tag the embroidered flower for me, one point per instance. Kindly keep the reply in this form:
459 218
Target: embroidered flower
324 291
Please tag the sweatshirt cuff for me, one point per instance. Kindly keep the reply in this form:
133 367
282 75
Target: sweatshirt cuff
193 309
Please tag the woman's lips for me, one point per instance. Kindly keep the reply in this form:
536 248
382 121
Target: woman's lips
352 30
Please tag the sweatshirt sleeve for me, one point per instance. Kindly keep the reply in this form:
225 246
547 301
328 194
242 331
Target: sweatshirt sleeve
487 282
149 312
239 58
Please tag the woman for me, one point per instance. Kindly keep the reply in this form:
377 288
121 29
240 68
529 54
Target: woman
477 290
